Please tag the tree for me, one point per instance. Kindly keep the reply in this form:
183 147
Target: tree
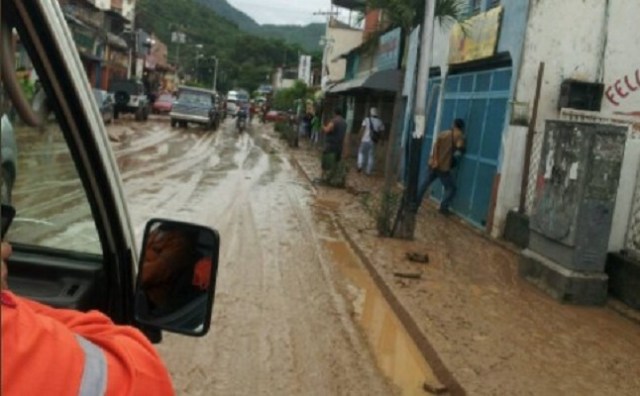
406 14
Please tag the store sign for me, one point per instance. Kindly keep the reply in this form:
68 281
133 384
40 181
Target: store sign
478 38
388 55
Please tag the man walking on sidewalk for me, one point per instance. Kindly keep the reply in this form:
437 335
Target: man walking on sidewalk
332 155
446 154
372 128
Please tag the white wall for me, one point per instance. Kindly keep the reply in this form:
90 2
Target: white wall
513 142
341 41
622 59
576 41
129 9
102 4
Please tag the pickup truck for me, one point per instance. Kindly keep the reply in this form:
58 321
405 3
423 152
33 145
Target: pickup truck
72 236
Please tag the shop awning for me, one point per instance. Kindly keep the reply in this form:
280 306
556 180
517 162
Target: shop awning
385 80
116 41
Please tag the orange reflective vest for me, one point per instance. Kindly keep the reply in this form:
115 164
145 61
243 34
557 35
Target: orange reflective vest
48 351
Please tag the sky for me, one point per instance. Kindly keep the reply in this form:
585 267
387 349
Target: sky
282 12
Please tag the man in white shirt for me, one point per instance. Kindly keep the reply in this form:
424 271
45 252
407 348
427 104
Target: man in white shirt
371 131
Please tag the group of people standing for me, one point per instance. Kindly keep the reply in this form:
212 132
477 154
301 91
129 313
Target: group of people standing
445 156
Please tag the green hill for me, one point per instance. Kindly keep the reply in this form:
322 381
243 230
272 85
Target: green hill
245 60
307 37
229 12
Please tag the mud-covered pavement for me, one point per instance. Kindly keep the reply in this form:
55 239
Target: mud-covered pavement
281 323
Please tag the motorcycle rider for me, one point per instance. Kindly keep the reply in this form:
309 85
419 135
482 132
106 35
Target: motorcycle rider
242 115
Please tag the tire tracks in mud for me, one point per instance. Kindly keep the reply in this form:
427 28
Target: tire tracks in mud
279 325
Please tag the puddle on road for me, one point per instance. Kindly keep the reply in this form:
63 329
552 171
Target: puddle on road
396 354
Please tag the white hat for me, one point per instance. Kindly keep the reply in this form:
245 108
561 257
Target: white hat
373 112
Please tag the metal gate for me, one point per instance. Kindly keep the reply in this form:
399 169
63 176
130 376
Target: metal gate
481 99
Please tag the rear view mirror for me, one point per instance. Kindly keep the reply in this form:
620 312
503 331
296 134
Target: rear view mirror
177 277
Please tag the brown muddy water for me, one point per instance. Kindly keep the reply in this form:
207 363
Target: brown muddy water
396 354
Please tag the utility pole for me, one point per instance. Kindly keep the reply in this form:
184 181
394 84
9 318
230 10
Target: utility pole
326 41
406 223
198 48
215 73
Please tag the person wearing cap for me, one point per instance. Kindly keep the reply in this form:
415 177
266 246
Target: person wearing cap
372 128
447 151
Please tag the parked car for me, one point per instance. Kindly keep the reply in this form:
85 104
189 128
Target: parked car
9 152
163 104
130 97
105 104
195 105
276 116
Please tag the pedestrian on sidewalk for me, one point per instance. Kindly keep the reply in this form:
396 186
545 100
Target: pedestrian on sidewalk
447 152
370 133
316 125
335 132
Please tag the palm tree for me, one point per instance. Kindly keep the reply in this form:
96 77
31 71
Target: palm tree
406 14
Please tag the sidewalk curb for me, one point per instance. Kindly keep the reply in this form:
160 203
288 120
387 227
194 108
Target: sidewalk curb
428 351
424 346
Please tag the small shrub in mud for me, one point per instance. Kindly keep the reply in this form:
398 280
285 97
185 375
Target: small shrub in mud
286 132
383 210
334 171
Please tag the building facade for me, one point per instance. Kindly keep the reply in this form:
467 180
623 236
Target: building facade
473 76
591 74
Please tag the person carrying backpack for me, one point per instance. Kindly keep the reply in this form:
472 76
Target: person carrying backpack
371 132
447 152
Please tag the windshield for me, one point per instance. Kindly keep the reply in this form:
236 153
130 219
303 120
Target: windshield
195 98
99 95
385 122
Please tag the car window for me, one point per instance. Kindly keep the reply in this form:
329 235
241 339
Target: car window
99 95
193 98
39 177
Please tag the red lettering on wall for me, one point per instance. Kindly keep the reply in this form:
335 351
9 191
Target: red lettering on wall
631 87
619 89
611 96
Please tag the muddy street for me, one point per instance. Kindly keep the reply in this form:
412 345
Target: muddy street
282 323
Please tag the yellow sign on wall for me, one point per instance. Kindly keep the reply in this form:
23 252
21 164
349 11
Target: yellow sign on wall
477 38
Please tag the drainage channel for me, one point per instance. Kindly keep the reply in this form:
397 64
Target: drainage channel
396 353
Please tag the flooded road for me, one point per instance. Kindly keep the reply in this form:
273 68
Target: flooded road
296 312
283 321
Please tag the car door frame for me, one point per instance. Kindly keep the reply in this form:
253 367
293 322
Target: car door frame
56 60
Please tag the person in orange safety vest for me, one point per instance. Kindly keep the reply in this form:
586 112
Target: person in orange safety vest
47 351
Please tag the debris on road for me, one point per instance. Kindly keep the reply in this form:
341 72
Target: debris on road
408 275
435 389
418 257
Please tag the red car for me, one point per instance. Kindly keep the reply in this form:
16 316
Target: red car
276 116
163 104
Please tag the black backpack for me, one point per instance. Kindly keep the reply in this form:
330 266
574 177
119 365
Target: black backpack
375 134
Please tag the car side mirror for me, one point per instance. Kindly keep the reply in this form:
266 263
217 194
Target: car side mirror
177 277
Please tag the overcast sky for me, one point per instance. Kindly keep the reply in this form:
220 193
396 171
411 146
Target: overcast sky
280 12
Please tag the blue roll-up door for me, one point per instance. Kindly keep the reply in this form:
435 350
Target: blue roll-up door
481 99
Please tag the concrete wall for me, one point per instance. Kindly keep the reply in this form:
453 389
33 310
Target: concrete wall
129 9
589 40
340 41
